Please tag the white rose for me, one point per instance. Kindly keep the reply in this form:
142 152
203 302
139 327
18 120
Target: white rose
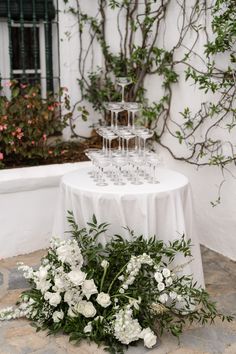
89 288
88 328
161 286
104 264
173 295
166 272
158 277
149 337
169 281
53 298
86 308
57 316
104 299
163 298
77 277
59 283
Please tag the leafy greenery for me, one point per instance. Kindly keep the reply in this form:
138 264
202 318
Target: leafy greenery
149 47
27 121
143 289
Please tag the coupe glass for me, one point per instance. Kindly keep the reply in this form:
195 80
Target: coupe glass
109 135
153 161
136 160
119 162
145 134
121 132
132 108
123 81
102 162
92 154
115 108
137 132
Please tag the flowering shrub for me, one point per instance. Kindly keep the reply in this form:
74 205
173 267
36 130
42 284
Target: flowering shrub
114 294
27 121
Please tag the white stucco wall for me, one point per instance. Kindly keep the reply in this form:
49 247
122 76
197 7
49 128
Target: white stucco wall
28 200
216 226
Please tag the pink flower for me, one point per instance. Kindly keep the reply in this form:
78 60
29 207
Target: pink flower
50 152
23 86
51 108
44 137
4 117
33 94
19 136
3 127
29 106
32 142
29 121
1 156
8 84
18 130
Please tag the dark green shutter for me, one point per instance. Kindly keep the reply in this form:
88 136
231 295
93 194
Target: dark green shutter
42 7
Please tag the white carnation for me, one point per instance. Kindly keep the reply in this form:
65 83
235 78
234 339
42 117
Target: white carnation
104 299
77 277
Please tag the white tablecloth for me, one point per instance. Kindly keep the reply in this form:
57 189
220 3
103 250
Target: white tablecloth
163 209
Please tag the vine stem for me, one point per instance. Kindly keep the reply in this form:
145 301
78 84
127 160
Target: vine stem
117 275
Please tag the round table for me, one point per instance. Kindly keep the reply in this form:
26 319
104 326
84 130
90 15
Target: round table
163 209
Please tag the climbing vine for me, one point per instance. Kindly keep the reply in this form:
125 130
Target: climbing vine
179 45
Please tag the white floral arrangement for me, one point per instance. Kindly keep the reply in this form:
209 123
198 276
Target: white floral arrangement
115 294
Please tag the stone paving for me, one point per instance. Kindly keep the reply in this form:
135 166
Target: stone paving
19 337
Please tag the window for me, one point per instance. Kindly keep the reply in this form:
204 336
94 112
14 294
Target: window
29 35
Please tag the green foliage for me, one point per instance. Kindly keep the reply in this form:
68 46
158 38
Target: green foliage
27 121
145 52
224 27
139 264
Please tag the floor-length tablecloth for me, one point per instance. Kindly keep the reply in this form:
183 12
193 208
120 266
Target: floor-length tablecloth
163 209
